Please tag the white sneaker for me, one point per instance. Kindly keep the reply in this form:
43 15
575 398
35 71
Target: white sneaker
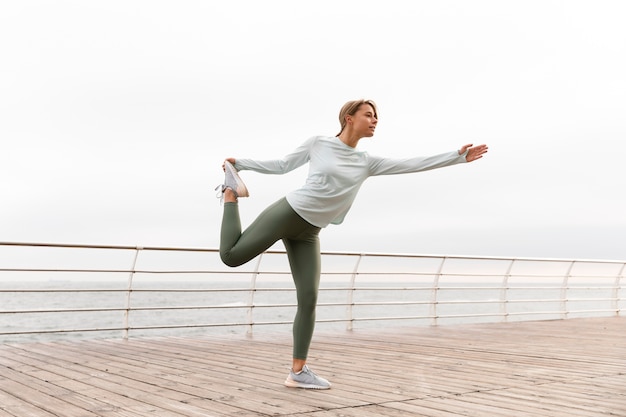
306 379
232 181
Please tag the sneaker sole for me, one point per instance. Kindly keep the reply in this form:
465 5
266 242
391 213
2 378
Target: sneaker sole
293 384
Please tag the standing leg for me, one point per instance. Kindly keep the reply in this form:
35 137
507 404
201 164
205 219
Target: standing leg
305 262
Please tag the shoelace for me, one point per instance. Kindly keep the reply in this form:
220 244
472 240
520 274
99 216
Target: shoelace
220 193
308 371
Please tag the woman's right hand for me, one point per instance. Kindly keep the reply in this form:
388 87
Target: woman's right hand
231 160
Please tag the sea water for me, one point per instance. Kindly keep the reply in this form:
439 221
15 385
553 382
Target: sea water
180 307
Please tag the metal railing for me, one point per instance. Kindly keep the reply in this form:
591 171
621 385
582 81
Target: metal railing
58 289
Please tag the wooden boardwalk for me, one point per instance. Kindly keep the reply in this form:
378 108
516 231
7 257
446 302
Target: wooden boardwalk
570 368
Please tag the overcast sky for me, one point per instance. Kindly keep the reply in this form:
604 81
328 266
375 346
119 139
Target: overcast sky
115 117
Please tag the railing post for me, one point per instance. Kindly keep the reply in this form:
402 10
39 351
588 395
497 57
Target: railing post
504 300
564 288
250 311
129 290
349 314
616 291
434 293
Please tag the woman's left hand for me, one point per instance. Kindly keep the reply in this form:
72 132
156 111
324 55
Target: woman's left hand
473 152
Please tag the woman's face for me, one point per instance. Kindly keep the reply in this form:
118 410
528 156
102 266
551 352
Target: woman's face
364 121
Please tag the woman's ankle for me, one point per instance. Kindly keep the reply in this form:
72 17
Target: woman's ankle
230 196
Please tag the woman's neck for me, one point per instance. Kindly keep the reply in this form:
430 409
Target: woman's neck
350 140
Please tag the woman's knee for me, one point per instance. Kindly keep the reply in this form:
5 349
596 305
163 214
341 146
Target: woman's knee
230 260
307 301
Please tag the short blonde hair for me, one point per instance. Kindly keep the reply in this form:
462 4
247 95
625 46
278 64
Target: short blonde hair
350 109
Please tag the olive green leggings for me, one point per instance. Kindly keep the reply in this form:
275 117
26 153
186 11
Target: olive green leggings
301 240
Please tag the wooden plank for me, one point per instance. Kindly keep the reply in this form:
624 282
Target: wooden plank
132 394
47 402
11 406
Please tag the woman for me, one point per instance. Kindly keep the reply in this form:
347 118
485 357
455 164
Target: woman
336 171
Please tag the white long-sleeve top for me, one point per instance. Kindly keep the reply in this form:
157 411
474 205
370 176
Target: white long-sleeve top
336 173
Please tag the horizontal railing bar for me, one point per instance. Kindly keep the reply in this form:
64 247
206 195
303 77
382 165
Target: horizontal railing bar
131 328
283 289
134 290
52 331
475 288
544 300
328 253
460 316
267 272
69 310
115 247
60 290
136 271
156 308
359 319
290 305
